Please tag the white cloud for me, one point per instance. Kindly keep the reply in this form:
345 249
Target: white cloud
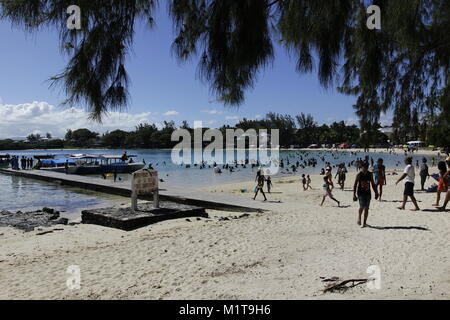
212 111
171 113
210 123
41 117
386 120
232 118
352 121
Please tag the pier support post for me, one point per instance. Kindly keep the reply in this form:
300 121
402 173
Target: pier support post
133 200
156 199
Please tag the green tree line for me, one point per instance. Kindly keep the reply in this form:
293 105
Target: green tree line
301 130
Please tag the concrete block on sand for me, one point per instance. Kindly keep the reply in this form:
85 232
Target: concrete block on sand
127 219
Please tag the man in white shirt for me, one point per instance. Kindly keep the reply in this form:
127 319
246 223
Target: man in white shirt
408 175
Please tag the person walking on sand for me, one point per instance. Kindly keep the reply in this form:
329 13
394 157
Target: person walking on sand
269 184
327 191
304 182
341 174
258 174
361 191
423 173
260 187
329 177
379 173
308 182
409 176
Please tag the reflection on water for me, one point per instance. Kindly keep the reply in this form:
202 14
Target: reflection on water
26 195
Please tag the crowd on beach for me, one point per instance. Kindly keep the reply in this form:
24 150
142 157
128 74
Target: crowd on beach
372 176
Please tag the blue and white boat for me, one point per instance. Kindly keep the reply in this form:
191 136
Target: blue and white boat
58 165
116 164
86 164
103 164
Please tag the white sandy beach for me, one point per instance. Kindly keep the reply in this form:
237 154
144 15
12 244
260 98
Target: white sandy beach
278 254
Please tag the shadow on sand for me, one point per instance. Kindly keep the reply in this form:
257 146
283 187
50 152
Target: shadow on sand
400 201
398 228
435 210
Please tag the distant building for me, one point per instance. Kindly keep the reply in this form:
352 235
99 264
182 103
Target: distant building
388 131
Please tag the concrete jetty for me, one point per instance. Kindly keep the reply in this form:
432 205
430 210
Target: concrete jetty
178 195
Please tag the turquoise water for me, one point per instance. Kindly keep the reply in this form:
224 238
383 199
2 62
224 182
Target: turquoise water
28 195
22 194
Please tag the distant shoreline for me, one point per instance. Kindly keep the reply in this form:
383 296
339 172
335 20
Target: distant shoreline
356 150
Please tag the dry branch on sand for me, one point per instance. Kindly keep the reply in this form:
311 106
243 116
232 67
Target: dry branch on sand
342 286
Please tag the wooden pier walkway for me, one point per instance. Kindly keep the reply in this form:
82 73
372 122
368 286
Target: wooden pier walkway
178 195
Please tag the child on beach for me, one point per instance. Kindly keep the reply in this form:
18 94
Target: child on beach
260 187
304 182
442 182
379 172
269 184
361 191
308 182
327 191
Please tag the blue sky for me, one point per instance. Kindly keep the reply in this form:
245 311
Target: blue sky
161 89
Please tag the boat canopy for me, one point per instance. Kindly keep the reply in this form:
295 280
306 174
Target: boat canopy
45 156
108 156
98 156
84 156
416 142
57 161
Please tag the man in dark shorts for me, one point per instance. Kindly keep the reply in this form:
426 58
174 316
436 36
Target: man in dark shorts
361 191
409 176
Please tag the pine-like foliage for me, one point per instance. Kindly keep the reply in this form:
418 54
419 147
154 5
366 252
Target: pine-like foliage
403 67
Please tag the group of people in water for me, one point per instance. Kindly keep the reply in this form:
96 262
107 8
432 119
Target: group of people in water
372 176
